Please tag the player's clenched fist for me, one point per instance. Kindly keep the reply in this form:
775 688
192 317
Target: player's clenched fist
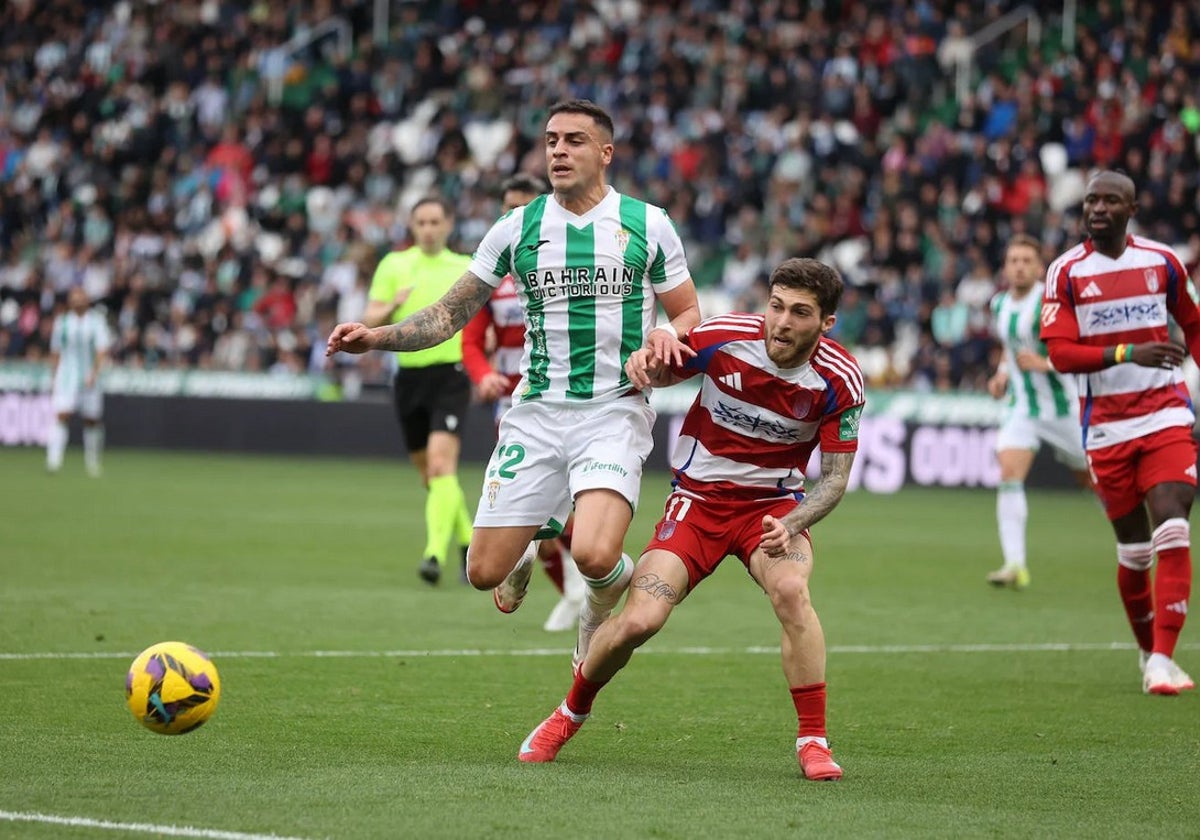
351 338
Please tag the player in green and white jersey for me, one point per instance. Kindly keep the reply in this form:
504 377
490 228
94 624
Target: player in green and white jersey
79 343
590 267
1042 405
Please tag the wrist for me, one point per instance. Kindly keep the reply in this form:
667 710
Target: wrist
669 328
1121 353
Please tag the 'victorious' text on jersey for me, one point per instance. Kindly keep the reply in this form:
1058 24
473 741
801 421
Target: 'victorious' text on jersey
587 286
760 423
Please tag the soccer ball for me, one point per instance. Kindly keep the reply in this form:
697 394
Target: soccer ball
172 688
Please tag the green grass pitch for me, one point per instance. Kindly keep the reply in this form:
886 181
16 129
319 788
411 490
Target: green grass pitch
956 710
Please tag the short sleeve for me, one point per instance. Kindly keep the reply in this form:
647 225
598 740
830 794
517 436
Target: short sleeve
492 260
1058 306
668 268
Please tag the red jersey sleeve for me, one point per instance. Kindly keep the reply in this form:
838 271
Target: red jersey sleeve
1059 327
474 345
1180 303
846 396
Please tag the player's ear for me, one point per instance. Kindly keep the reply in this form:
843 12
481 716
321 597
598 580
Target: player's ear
827 323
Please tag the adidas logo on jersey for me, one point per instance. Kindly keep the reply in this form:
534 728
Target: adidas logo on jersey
1179 607
1091 291
733 380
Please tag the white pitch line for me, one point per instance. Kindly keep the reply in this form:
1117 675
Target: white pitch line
983 647
143 828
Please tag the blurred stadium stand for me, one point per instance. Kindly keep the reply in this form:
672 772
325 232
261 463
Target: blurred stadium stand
224 175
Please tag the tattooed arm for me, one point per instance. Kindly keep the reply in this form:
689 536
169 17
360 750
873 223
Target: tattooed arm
424 328
824 497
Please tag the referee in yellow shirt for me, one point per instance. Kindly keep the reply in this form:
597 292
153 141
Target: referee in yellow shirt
431 389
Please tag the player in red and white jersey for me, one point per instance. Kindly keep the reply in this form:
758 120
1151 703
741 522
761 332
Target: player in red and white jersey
1104 317
500 327
774 388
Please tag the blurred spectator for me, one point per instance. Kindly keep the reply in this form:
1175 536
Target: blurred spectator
173 158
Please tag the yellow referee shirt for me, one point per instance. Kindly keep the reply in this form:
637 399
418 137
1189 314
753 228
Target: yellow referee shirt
430 278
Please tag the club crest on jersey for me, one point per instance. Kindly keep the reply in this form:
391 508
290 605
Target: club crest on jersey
622 240
802 405
1151 280
666 529
493 487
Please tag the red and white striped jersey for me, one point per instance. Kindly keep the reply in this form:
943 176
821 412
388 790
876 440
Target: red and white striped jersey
1096 300
503 313
753 426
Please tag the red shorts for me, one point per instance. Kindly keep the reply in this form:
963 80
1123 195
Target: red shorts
1125 472
703 533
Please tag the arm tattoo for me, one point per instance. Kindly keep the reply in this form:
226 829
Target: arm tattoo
438 321
656 587
826 493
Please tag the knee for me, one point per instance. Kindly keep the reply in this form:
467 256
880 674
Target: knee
792 602
595 561
482 574
634 627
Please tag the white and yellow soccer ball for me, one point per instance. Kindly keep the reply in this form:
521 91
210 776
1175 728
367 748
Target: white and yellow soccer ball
172 688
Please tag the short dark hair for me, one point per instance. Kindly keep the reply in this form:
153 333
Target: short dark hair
433 199
586 107
523 182
815 276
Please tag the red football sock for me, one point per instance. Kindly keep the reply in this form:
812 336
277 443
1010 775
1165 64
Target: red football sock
1133 582
810 709
1172 583
583 692
552 565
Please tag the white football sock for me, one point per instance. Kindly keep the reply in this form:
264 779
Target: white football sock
56 445
602 596
93 445
1011 514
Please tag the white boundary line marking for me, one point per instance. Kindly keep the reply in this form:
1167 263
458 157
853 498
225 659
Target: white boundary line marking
144 828
984 647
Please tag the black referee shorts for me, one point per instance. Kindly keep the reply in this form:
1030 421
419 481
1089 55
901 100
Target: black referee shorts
430 399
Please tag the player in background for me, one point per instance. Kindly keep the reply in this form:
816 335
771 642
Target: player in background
1105 318
1042 404
79 344
431 390
774 388
591 267
500 324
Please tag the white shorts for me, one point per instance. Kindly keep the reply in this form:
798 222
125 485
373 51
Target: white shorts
549 454
1063 434
86 402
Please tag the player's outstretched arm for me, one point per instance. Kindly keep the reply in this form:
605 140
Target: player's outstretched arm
424 328
818 502
683 313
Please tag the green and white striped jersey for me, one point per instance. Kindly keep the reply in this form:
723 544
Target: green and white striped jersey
77 339
587 286
1036 395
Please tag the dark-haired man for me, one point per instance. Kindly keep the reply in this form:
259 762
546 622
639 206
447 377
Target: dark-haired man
1104 317
773 388
591 265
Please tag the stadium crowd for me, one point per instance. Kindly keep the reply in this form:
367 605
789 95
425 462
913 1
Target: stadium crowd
224 176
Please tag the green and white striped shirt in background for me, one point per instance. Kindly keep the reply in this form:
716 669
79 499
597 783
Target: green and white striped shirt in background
587 285
77 339
1036 395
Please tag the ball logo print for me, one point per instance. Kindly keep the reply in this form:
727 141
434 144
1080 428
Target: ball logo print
172 688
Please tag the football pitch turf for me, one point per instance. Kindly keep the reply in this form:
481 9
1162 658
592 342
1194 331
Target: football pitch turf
357 702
